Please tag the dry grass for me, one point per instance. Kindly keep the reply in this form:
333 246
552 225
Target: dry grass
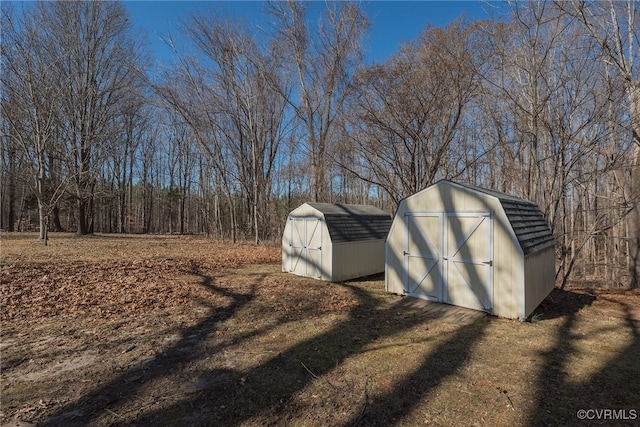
155 330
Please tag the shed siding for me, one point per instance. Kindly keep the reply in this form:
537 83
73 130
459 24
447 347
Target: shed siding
507 268
506 256
393 255
539 272
447 197
365 260
306 211
327 255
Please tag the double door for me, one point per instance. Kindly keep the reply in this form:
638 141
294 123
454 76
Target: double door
448 257
306 247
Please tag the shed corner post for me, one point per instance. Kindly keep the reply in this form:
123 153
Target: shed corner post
522 315
404 260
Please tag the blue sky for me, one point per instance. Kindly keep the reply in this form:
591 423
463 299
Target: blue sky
392 22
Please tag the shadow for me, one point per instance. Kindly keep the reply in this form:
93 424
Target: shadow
611 396
446 360
370 278
449 258
479 288
562 302
270 387
187 349
475 255
230 397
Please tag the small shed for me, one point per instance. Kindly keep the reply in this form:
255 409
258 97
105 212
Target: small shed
335 242
471 247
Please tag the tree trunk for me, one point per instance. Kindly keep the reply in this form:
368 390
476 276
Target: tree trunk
634 219
42 213
11 202
40 186
83 228
57 225
634 215
11 184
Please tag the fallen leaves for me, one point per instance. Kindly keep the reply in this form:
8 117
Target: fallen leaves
141 283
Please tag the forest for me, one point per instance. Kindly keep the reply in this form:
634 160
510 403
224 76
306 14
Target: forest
542 102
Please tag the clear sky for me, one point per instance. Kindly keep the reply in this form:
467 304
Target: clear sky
392 22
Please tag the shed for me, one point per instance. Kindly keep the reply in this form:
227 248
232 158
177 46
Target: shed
471 247
335 242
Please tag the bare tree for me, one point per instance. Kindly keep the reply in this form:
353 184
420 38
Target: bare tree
322 59
181 153
408 112
552 110
29 103
241 117
128 129
99 61
10 156
614 26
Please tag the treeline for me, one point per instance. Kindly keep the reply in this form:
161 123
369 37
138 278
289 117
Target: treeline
246 124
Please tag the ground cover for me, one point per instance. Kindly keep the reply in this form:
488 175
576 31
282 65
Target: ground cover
175 330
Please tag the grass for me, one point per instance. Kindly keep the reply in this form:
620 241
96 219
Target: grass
155 330
536 317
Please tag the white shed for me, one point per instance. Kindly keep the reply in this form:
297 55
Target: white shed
335 242
471 247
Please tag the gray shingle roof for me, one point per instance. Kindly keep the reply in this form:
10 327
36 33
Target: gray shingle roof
351 223
529 224
526 219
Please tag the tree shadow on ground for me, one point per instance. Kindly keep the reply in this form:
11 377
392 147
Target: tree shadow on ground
614 387
377 277
185 350
445 361
231 397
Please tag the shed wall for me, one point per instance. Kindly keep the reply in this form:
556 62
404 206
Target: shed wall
357 259
539 273
328 268
508 269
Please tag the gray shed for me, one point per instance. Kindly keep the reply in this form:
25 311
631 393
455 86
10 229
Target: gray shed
471 247
335 242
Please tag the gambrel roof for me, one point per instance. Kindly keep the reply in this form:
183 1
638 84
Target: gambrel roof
351 223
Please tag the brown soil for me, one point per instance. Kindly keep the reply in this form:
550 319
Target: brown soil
168 330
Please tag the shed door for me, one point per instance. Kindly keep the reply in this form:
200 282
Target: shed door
469 260
449 257
306 247
423 269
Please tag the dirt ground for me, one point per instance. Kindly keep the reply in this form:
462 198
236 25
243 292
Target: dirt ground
171 330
